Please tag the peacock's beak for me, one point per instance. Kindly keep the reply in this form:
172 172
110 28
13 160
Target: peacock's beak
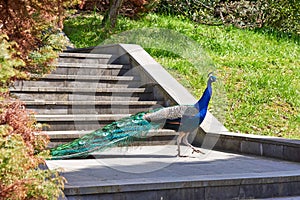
214 78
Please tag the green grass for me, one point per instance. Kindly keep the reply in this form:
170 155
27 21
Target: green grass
259 71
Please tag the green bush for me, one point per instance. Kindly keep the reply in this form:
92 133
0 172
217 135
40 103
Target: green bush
8 63
280 15
199 11
42 58
20 177
283 15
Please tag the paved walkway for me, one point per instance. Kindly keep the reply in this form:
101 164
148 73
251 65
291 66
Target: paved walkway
159 164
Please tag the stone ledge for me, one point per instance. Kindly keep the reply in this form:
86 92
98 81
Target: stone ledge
266 139
274 147
208 182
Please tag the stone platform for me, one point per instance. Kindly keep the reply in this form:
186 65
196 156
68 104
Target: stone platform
154 172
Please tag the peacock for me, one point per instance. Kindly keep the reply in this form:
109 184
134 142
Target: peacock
182 118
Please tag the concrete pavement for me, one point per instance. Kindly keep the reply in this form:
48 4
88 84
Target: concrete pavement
155 171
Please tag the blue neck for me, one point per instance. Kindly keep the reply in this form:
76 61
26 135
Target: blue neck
203 102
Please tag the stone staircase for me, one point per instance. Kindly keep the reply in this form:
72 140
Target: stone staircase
85 92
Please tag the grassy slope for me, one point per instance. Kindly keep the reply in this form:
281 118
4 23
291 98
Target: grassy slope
261 73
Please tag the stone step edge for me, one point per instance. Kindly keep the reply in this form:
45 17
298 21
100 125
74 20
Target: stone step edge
79 90
207 181
78 117
86 55
84 77
88 65
76 134
68 103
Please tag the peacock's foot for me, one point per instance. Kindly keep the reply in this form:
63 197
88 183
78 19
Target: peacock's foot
182 156
197 150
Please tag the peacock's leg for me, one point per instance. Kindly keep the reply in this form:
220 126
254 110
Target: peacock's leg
179 139
186 142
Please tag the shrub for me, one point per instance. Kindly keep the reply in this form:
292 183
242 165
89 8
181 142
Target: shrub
281 15
21 154
199 11
9 64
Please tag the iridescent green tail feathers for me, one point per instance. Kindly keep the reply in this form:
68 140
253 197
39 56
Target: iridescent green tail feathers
117 133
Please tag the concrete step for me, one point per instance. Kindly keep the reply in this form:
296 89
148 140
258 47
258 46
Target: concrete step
80 83
109 60
84 117
91 66
81 93
87 58
84 96
61 80
92 69
79 103
154 137
89 77
90 107
84 55
77 90
85 77
78 121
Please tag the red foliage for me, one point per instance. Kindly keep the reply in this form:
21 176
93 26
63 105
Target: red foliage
21 21
22 122
20 186
24 21
19 122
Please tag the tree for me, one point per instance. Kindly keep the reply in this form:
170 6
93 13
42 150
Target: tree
110 18
31 25
129 8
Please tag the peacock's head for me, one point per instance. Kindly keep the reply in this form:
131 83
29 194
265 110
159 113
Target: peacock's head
211 77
